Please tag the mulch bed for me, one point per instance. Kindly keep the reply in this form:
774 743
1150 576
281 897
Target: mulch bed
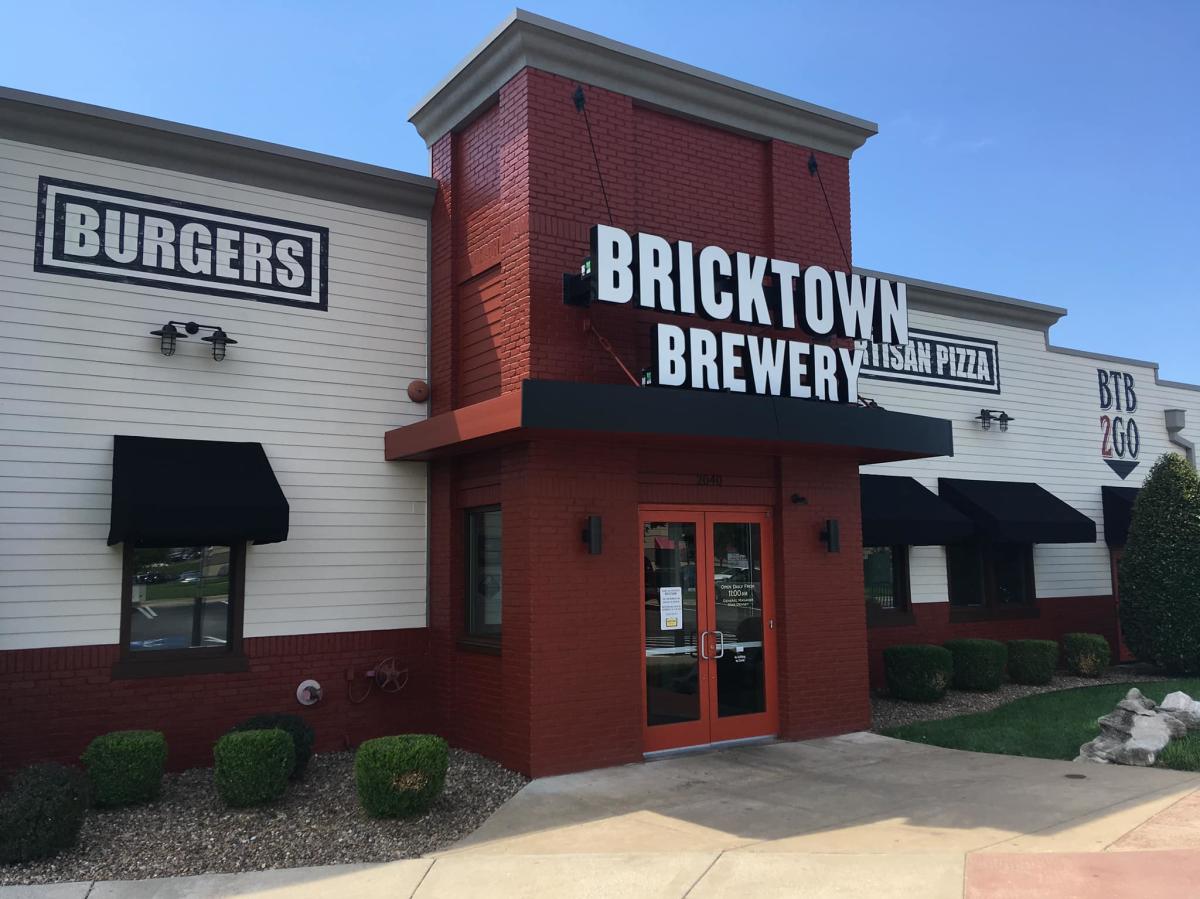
887 713
319 822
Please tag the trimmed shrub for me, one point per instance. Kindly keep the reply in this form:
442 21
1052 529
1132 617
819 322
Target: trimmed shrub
1159 572
251 767
978 664
1032 661
125 767
400 776
296 727
918 672
42 812
1086 654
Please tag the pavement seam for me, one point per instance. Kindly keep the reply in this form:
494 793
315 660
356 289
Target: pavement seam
1108 846
91 886
703 874
419 882
1093 812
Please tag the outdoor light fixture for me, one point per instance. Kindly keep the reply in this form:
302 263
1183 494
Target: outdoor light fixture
168 334
987 416
219 340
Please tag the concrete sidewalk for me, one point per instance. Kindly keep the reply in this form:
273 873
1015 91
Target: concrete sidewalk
848 816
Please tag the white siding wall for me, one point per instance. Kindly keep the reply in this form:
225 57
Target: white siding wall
317 389
1055 441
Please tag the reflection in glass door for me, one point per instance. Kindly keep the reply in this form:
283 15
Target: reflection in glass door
709 648
738 627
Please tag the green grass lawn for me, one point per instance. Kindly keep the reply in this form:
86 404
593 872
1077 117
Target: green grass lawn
1045 726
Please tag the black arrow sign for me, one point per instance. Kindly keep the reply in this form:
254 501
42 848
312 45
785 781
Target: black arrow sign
1122 468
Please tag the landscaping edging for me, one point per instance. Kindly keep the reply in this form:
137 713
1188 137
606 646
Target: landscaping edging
188 830
887 713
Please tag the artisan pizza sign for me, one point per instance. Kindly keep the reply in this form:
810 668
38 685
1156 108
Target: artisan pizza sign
88 231
940 360
809 305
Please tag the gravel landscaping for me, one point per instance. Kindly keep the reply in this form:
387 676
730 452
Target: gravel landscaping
319 822
888 713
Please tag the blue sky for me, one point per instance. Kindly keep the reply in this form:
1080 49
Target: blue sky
1047 151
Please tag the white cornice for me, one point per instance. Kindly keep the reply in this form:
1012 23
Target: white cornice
528 40
100 131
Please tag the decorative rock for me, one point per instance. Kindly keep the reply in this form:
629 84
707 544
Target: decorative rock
1137 730
1181 706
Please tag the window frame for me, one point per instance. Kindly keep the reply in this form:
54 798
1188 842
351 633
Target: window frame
488 641
901 613
991 608
172 662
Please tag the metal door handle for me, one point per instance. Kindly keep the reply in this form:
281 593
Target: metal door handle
702 641
721 646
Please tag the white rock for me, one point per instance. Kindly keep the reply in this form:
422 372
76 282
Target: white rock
1182 707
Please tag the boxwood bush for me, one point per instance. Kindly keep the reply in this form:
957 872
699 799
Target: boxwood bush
400 776
296 727
1086 654
918 672
251 767
978 664
125 767
41 812
1160 569
1032 661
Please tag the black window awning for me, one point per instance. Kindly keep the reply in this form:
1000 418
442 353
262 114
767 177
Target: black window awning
1118 510
194 493
899 510
1017 512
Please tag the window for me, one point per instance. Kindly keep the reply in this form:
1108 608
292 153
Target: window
990 577
483 572
885 577
181 609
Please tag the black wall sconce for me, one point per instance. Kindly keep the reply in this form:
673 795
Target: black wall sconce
593 535
831 536
987 416
168 334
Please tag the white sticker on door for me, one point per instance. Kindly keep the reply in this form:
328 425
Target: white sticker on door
670 608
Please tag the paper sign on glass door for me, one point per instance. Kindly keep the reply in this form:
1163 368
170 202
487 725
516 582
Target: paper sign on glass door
670 608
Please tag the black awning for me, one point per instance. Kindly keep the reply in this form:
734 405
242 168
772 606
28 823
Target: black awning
194 493
1118 510
1017 512
898 510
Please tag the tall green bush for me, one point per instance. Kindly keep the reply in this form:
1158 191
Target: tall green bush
1160 569
125 767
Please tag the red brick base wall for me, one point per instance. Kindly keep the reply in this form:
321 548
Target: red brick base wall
1063 615
56 700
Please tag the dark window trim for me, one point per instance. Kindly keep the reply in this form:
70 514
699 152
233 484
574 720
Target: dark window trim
991 610
902 614
483 645
173 662
470 640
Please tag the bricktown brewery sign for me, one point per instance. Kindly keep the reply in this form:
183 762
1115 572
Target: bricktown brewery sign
751 290
88 231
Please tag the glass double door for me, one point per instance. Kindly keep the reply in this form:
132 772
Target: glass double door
709 626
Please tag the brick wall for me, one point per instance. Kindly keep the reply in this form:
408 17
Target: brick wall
519 193
1056 616
57 700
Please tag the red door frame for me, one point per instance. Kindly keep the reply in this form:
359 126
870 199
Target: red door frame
711 727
